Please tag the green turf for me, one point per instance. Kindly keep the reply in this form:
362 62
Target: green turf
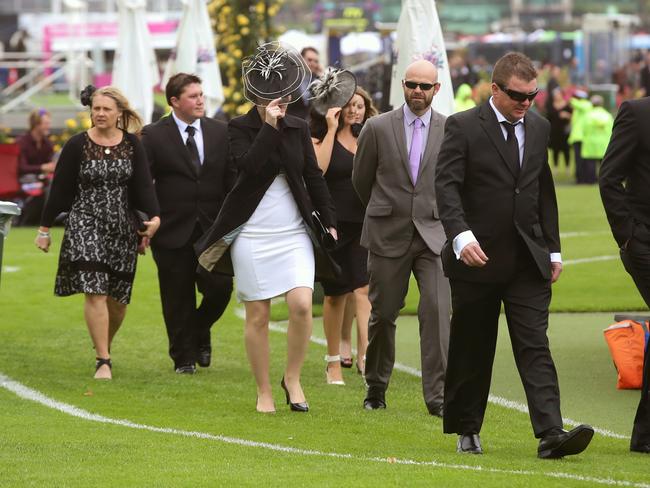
44 345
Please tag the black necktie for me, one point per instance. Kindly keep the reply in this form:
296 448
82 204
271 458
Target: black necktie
191 146
513 146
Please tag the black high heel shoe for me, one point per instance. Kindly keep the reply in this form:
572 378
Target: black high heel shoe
294 407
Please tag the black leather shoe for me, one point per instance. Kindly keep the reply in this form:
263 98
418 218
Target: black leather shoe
294 407
644 448
374 403
186 369
204 356
565 443
469 444
436 411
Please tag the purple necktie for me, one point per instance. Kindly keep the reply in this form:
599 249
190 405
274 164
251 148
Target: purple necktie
415 153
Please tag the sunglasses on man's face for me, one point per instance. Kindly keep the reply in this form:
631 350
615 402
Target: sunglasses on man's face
518 96
412 85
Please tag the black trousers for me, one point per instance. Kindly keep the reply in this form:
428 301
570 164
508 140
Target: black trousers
636 259
188 326
474 326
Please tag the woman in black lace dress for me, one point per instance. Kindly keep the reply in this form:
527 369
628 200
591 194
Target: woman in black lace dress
101 178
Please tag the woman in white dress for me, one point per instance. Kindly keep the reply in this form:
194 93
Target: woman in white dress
265 224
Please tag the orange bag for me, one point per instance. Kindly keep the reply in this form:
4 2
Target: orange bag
626 340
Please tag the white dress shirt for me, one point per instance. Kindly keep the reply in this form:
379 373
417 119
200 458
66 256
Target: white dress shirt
198 134
467 237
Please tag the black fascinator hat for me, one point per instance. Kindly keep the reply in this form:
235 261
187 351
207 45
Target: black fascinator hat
275 71
334 88
86 95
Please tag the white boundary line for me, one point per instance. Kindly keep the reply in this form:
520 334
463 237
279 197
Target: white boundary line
592 259
565 235
30 394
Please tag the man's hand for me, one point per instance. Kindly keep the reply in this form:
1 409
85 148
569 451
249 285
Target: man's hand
556 269
472 255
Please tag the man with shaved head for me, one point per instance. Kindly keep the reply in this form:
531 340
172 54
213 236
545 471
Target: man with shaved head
393 174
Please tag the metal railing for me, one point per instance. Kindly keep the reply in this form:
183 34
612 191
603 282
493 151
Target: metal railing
57 6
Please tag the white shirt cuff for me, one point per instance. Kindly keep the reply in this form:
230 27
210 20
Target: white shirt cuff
556 257
461 240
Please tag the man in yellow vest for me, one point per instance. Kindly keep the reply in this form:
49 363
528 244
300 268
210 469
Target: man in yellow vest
597 129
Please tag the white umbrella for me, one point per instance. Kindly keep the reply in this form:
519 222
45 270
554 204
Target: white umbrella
419 36
77 67
135 70
195 53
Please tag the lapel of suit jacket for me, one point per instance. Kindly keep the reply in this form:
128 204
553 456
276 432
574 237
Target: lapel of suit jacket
174 135
400 137
493 129
433 140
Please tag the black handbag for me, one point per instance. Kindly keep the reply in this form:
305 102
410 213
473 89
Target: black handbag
139 219
324 237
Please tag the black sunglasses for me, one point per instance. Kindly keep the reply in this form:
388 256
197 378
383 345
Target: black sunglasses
412 85
518 96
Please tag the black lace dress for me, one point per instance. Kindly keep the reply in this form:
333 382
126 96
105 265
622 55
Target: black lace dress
99 249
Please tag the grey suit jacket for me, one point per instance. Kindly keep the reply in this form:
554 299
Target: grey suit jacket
395 207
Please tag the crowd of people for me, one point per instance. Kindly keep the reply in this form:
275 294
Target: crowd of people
358 201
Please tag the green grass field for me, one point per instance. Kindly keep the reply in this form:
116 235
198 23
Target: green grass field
203 430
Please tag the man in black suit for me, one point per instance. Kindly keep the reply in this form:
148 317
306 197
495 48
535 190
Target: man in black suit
497 203
624 183
192 171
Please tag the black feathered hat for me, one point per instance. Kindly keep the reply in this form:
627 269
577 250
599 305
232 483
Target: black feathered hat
275 71
334 88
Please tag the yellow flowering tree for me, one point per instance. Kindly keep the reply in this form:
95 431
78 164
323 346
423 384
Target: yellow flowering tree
72 126
240 25
5 135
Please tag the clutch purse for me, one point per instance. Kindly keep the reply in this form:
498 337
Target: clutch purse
324 237
139 218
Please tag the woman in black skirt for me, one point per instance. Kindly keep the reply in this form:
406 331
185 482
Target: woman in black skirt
101 178
335 143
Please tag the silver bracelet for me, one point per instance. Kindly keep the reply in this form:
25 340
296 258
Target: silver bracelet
43 234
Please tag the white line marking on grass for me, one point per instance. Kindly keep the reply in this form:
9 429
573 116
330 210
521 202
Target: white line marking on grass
10 269
564 235
592 259
33 395
497 400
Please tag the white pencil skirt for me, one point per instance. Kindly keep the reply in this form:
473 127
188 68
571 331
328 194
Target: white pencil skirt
273 254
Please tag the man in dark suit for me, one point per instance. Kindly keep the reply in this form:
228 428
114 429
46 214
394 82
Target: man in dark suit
624 183
497 203
393 174
192 171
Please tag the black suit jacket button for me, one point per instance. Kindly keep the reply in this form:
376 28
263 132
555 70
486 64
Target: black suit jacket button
517 191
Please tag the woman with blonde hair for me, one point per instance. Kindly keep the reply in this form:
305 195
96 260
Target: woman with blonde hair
101 179
335 126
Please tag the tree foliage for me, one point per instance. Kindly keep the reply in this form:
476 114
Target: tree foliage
240 26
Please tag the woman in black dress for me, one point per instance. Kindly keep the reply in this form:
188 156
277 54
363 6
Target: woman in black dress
559 115
335 143
101 178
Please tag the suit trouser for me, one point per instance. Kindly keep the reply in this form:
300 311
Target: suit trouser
188 326
636 259
389 281
474 327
